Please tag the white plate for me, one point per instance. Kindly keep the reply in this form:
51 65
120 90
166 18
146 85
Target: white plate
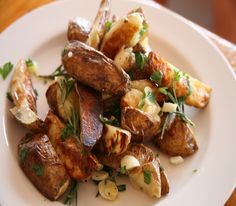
41 35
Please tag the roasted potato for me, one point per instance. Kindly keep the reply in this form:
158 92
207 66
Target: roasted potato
164 182
178 140
99 25
147 178
130 27
57 102
197 93
83 101
42 166
116 140
139 151
78 29
79 163
92 68
90 107
24 98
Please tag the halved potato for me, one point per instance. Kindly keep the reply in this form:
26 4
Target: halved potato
42 165
130 27
83 101
147 178
116 140
99 25
90 107
178 139
24 98
78 29
79 162
94 69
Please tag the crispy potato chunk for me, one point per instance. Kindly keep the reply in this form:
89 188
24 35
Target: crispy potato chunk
24 98
78 29
79 163
93 69
178 140
42 166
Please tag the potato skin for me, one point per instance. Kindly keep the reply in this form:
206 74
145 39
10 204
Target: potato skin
94 69
79 163
139 123
90 109
178 140
24 98
78 29
35 150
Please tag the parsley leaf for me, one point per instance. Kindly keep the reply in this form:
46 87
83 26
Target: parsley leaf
123 170
144 29
67 131
23 154
157 77
6 69
147 176
32 66
108 25
38 170
139 59
150 96
9 96
121 188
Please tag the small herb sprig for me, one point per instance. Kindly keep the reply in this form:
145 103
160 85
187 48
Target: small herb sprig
58 72
6 69
72 127
66 85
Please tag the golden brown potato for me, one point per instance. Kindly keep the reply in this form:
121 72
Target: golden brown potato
79 29
141 152
164 182
142 126
92 68
60 106
147 178
24 98
196 92
99 25
90 107
123 32
79 163
42 166
83 101
178 140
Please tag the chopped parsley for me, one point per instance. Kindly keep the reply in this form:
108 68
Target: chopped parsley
9 96
140 60
195 170
108 25
67 131
147 176
121 188
6 69
112 121
144 29
157 77
150 96
38 170
23 154
31 66
123 170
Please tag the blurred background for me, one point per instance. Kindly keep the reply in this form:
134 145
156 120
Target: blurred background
218 16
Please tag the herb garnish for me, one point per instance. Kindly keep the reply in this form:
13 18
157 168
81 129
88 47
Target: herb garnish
31 66
144 29
72 127
72 193
195 170
66 85
166 123
121 188
58 72
150 96
140 60
6 69
112 121
9 96
123 169
147 176
108 25
157 77
38 170
23 154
